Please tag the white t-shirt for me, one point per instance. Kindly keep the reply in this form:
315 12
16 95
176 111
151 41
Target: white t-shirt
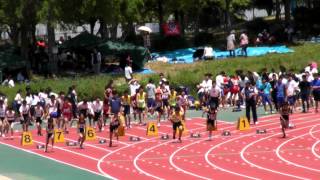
52 106
2 111
11 83
18 98
205 86
24 109
208 52
29 99
219 81
133 88
215 91
35 100
128 72
291 87
97 106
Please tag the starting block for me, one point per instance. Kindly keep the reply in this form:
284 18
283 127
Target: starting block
40 146
102 141
226 133
165 137
71 143
134 138
195 135
291 126
261 131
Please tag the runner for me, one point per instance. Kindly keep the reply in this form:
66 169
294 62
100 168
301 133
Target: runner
159 106
284 117
176 119
52 108
25 115
165 98
114 124
126 101
266 98
39 115
60 102
211 120
151 91
82 130
66 114
183 102
10 117
3 123
97 107
50 134
106 109
141 104
83 108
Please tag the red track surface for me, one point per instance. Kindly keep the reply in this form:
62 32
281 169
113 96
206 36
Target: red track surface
243 155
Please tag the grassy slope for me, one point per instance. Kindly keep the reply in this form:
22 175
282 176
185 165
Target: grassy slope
181 74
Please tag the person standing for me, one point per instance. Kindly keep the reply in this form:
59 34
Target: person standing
250 92
96 61
305 88
316 90
128 70
231 40
244 41
151 95
266 98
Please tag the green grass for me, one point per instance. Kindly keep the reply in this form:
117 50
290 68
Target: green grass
180 74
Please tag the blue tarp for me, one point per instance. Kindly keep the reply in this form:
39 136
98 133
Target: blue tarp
185 55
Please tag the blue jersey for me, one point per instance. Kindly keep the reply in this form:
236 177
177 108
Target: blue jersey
316 82
280 90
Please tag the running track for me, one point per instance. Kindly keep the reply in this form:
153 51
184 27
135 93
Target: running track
243 155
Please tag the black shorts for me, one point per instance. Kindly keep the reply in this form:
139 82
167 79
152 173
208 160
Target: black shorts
126 109
97 115
140 110
211 122
316 95
38 120
176 125
214 102
10 122
49 135
159 109
81 130
2 119
284 121
114 126
165 102
32 110
84 112
25 119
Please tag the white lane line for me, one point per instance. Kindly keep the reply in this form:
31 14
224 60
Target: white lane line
218 145
290 162
311 133
107 155
313 149
149 149
267 169
62 162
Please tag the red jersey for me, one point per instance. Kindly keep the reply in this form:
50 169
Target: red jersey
67 110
